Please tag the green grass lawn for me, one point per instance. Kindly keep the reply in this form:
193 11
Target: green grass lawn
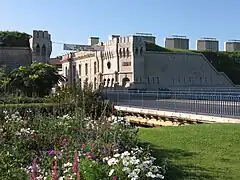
197 151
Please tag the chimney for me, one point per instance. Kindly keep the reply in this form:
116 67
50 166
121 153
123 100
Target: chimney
93 41
111 37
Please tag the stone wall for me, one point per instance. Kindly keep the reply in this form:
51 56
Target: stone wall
13 57
170 69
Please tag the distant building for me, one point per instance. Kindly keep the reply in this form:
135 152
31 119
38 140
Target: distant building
38 47
232 45
132 62
177 42
207 44
41 46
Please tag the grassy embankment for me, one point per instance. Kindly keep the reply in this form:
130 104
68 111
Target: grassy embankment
197 151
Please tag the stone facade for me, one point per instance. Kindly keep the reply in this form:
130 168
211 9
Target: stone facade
41 46
13 57
126 63
40 50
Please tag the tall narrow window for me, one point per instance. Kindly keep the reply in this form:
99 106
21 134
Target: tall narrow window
120 52
95 67
124 54
43 50
37 50
127 52
79 70
136 51
86 69
141 51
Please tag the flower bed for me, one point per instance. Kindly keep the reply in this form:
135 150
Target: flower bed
72 147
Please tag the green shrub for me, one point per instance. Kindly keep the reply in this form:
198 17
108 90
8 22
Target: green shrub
23 100
14 39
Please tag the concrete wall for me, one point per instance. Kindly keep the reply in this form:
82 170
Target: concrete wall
179 70
13 57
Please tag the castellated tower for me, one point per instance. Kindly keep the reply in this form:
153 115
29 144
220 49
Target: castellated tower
41 46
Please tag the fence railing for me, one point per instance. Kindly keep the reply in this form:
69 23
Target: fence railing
211 103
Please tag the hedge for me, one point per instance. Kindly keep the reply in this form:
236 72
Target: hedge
20 100
102 108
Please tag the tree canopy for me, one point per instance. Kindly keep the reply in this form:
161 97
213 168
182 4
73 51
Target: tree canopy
14 39
37 79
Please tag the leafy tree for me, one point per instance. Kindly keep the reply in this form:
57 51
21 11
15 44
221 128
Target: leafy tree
37 79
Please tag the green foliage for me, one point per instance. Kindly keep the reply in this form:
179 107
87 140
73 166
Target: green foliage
14 39
37 79
92 103
23 100
197 151
227 62
25 137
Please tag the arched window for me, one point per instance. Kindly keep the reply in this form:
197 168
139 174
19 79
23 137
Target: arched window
127 52
95 83
95 67
136 51
38 50
120 52
86 69
80 82
79 70
141 51
124 54
43 50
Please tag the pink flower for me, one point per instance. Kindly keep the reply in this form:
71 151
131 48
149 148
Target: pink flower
54 169
114 178
89 155
75 166
34 170
50 152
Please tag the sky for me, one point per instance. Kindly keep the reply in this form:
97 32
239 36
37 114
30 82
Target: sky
74 21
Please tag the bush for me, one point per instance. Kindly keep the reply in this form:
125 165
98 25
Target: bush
14 39
37 108
23 100
67 146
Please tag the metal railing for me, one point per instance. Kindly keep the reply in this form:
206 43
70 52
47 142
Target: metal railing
210 103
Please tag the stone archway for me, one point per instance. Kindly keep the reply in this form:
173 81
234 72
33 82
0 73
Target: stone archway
125 81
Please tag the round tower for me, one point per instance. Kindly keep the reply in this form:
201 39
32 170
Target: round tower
41 46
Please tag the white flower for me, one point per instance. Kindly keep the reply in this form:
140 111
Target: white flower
126 169
111 172
126 153
125 162
150 174
67 164
116 155
133 175
17 133
112 161
134 160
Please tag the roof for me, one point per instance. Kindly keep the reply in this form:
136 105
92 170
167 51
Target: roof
55 61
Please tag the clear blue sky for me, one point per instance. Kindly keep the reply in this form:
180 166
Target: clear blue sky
73 21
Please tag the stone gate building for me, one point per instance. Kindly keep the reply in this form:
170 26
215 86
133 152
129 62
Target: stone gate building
132 62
